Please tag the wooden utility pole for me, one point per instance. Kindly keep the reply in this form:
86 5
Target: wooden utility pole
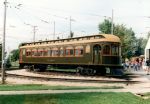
3 44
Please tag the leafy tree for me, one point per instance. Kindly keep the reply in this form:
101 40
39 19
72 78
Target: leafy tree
148 35
8 63
140 46
15 55
0 52
105 27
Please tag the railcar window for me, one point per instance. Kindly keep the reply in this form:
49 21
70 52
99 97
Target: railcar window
106 50
67 52
34 52
114 50
119 50
78 52
87 50
54 52
40 52
23 52
71 52
45 52
49 52
28 53
61 52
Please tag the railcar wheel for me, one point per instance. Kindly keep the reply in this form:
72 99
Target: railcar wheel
86 71
91 72
29 68
80 70
39 68
36 70
42 67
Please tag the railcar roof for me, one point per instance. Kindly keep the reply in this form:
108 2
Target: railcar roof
77 40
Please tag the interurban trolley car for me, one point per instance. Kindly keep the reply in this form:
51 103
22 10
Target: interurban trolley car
88 54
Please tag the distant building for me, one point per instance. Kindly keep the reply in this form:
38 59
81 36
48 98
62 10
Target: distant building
147 49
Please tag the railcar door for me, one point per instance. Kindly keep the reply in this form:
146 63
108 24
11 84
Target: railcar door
96 54
20 56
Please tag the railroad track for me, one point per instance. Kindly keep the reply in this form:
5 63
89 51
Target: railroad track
127 81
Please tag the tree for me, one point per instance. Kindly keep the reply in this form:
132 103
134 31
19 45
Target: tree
8 63
14 55
148 35
0 52
105 27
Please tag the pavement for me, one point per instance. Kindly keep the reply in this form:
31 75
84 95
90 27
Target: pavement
141 72
135 91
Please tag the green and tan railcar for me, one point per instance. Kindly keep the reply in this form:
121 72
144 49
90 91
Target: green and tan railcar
89 54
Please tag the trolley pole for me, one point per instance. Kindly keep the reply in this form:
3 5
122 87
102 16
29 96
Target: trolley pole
70 26
54 31
112 26
3 44
34 31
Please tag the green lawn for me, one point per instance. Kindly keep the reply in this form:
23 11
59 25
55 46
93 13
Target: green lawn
45 87
74 98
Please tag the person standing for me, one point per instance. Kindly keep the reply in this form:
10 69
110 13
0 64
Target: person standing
148 66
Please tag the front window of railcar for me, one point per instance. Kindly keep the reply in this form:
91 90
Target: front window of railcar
106 50
115 49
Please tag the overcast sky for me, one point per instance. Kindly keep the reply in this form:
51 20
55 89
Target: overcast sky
85 14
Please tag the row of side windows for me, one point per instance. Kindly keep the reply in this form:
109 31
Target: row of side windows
70 51
54 52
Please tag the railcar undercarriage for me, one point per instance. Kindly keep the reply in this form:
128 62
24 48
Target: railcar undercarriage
80 69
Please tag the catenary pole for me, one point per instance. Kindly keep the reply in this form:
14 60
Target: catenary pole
3 44
54 31
34 32
112 26
70 26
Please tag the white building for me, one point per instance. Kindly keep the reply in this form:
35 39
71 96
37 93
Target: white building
147 49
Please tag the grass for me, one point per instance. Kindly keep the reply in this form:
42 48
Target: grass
147 94
15 64
74 98
45 87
